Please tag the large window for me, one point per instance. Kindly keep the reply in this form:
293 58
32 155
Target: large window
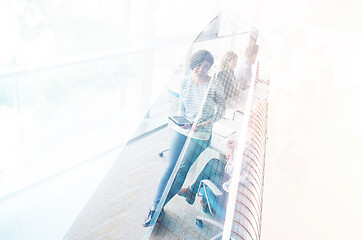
77 77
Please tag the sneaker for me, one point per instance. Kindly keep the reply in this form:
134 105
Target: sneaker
149 217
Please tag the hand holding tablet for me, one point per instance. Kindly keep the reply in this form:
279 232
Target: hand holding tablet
179 120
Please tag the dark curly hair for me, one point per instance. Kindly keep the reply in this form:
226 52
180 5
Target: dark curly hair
200 56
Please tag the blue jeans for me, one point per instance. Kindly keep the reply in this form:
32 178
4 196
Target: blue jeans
195 148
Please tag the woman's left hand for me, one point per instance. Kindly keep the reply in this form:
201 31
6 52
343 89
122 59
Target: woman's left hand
207 122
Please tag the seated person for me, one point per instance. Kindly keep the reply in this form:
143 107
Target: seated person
219 172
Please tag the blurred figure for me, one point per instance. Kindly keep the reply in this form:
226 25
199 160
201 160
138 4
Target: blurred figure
243 70
226 74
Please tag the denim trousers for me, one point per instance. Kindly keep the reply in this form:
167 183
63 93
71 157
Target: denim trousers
193 151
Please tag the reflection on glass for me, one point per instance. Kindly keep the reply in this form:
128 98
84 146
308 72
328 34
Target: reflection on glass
185 193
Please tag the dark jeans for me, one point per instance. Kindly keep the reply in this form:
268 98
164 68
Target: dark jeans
218 203
213 171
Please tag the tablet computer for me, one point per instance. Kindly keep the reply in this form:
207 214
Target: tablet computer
179 120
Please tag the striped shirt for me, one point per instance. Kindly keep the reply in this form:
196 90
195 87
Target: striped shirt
191 98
